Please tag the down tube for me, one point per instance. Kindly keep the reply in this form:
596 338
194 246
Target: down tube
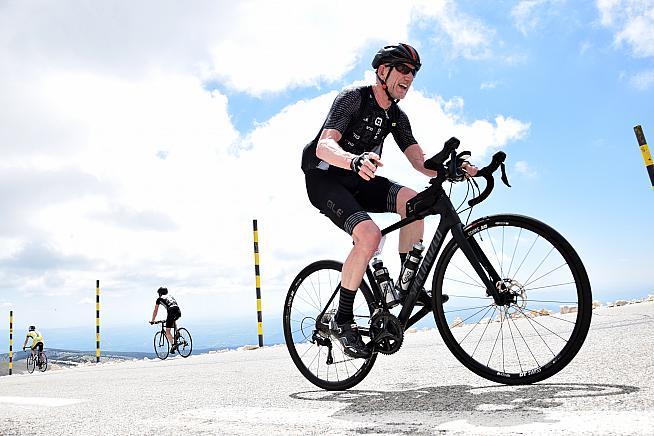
423 271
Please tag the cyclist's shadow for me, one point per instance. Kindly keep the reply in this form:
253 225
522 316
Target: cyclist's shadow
430 406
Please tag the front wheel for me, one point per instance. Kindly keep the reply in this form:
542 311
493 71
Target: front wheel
31 364
317 354
548 307
161 346
184 342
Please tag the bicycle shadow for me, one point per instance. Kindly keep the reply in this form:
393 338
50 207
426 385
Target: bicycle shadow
417 409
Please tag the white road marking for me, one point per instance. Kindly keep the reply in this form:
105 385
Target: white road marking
272 416
39 401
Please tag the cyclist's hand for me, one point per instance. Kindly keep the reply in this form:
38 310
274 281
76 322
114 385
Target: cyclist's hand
366 164
151 322
469 168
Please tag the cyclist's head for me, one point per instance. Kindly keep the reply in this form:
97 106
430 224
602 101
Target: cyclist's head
397 54
162 291
32 328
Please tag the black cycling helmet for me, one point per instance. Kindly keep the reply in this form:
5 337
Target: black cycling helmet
32 328
394 54
162 291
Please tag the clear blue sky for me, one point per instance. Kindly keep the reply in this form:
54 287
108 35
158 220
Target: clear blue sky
140 140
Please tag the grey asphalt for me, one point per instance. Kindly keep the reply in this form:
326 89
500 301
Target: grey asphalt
422 389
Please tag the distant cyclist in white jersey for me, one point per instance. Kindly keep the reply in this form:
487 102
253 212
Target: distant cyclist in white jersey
173 314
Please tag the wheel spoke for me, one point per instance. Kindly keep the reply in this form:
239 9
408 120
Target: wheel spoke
524 340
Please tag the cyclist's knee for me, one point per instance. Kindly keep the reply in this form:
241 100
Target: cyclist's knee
405 194
367 236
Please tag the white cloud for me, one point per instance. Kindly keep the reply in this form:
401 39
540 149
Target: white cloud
525 169
528 15
643 80
632 21
489 85
120 165
465 36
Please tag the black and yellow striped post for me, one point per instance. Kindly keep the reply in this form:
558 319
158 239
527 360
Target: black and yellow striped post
97 321
647 157
11 340
258 282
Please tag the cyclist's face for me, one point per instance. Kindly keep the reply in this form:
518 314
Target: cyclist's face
399 83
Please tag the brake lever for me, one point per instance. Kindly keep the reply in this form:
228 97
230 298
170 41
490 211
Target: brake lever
505 179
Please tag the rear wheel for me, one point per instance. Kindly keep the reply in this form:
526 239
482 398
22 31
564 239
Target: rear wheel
43 362
184 342
546 319
317 354
161 346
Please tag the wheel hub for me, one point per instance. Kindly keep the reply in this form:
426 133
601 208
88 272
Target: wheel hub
512 292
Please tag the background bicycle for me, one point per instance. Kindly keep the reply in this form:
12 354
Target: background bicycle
38 360
510 296
181 336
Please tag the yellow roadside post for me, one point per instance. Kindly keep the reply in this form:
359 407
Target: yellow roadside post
258 282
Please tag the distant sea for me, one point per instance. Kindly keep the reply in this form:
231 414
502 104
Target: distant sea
207 335
139 338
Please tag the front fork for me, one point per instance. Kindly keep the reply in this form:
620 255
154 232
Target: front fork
482 266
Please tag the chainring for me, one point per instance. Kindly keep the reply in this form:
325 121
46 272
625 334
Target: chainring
386 333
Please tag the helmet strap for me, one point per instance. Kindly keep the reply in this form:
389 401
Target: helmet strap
384 86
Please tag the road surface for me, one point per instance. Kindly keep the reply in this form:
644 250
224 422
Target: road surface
422 389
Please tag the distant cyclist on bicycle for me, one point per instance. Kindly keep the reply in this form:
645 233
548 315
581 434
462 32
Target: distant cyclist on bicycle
173 313
340 165
37 340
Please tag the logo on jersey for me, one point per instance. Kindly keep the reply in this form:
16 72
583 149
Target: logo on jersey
378 121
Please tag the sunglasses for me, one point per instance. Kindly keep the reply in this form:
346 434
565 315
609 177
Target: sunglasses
404 69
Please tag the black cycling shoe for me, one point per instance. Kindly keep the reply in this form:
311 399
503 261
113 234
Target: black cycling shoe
350 338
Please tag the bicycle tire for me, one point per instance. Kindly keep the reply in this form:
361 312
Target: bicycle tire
539 342
305 300
31 364
44 362
161 345
184 342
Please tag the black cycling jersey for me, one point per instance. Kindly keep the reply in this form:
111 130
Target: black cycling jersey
168 301
363 124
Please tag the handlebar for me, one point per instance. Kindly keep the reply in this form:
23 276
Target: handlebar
452 172
157 322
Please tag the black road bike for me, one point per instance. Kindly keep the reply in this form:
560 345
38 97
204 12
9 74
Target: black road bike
181 336
38 360
519 305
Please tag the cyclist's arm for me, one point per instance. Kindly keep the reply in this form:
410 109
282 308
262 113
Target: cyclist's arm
329 151
154 313
416 157
25 343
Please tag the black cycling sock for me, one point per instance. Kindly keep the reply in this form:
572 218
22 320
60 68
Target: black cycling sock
344 313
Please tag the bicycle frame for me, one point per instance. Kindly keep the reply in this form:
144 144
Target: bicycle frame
450 221
163 329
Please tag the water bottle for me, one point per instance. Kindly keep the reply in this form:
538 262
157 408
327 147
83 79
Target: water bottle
410 267
385 283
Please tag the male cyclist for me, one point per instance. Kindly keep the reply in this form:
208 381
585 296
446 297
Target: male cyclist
340 165
173 313
37 340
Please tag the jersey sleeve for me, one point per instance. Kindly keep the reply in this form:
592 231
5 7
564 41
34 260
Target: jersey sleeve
402 134
345 105
159 301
